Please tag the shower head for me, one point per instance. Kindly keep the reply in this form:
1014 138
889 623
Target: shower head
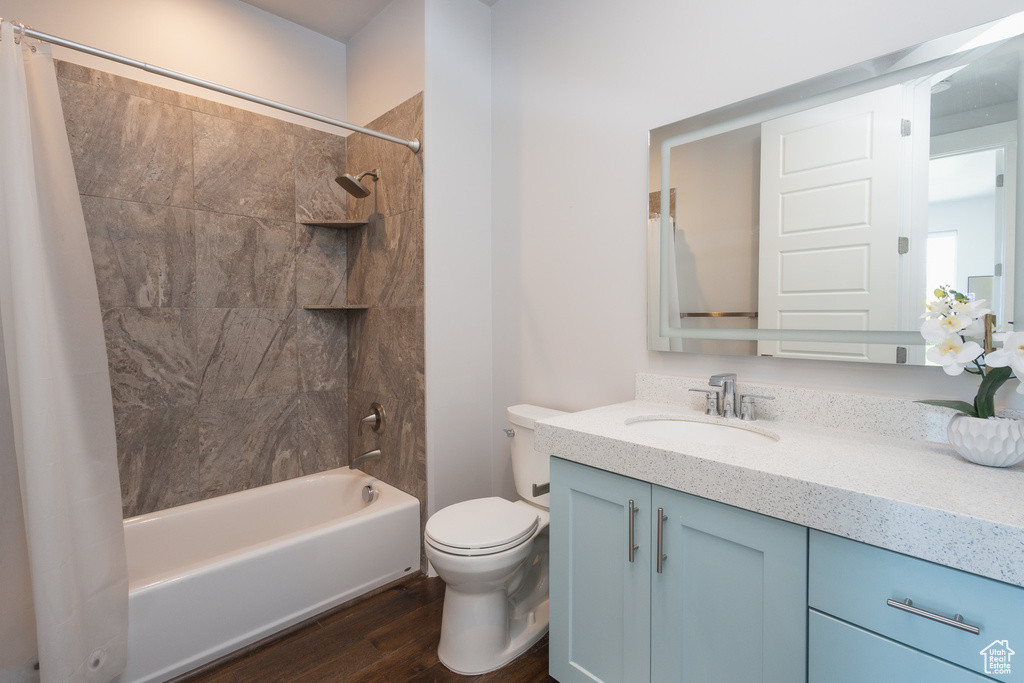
353 186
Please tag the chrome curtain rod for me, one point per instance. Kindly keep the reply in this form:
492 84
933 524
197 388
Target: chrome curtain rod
414 145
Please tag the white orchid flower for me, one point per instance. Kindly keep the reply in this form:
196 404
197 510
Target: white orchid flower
935 309
969 310
935 330
932 331
1012 354
953 353
952 324
975 328
974 309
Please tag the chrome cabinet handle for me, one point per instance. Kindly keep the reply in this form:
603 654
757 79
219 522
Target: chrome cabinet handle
661 528
956 622
633 509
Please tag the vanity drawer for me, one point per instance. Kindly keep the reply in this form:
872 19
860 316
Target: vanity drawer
840 653
853 581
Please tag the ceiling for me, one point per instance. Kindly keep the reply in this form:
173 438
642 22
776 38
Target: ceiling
337 19
982 93
962 176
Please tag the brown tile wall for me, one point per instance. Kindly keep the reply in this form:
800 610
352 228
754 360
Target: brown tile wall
385 266
220 381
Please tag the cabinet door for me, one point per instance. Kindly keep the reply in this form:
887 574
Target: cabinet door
730 603
600 601
842 653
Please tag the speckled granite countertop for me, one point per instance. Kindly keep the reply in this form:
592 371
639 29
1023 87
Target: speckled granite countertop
913 496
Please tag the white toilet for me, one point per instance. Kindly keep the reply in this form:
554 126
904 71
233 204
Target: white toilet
493 557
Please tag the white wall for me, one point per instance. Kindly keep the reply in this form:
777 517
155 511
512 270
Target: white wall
443 47
457 172
224 41
973 219
386 61
577 86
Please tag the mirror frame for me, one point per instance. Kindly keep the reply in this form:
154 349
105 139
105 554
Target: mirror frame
921 60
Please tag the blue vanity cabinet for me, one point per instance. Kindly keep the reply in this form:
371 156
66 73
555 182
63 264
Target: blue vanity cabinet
729 603
600 601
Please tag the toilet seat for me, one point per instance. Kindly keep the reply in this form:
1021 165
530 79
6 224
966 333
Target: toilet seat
481 527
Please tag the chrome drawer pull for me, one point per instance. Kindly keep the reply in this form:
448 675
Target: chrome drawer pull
633 509
956 622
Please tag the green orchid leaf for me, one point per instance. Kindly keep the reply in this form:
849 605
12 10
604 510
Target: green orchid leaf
984 402
962 406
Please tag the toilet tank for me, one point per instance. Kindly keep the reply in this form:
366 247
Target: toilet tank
528 466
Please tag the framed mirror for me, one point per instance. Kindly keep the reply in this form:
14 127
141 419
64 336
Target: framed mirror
815 221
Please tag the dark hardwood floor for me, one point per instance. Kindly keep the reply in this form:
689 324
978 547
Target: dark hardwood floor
389 638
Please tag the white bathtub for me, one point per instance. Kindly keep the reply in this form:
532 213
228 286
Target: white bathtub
210 577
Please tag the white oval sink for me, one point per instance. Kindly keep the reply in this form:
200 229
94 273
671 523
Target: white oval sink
701 432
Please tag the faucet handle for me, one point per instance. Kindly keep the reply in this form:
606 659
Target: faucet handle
747 411
711 401
376 419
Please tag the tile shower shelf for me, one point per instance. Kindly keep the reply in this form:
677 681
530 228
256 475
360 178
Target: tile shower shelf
346 307
340 225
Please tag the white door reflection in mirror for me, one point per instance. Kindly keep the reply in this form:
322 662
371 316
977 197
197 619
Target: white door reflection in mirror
830 222
772 193
967 199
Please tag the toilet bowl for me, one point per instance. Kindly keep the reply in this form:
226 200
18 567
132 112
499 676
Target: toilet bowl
492 555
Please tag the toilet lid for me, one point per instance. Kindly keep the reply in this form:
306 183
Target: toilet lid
484 523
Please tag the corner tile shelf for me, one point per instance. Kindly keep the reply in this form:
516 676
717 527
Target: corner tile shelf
346 307
340 225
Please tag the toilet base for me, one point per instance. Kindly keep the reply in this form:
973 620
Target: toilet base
475 649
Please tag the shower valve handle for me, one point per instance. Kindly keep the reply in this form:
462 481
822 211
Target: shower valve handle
376 419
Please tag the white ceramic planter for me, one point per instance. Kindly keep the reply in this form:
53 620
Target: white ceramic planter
993 442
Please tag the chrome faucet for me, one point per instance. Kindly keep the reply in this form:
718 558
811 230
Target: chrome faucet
727 395
724 402
375 453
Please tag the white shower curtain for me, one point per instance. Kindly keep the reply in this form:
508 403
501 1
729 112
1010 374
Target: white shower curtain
63 576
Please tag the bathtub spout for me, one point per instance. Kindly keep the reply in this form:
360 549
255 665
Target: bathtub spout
375 453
